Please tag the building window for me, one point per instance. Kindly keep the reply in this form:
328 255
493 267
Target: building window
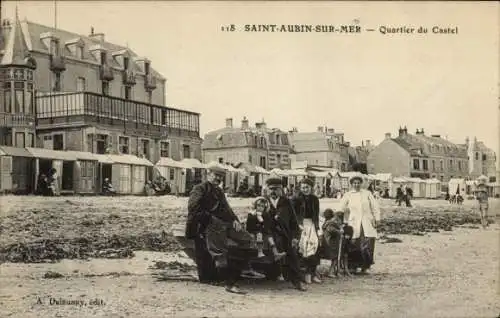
58 142
79 52
7 101
186 151
57 82
123 145
433 165
105 88
221 160
125 62
101 144
484 157
150 97
441 165
171 173
425 164
442 178
278 159
30 141
19 100
460 165
416 164
103 58
146 68
128 92
20 140
331 163
477 155
451 164
54 47
145 148
164 153
80 84
263 162
250 158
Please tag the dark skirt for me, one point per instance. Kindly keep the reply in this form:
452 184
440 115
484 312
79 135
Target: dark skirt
362 252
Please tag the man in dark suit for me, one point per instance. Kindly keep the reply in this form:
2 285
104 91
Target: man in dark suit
285 229
208 209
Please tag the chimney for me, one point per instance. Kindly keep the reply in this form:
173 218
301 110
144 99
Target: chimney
387 135
405 130
422 131
244 123
261 125
400 131
96 36
229 123
320 129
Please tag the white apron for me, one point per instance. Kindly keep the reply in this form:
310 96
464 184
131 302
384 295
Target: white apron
309 242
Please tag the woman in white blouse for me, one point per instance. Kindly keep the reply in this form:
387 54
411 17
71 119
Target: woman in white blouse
362 212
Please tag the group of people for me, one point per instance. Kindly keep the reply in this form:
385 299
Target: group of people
288 228
47 184
404 195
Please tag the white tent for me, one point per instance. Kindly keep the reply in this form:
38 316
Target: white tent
457 185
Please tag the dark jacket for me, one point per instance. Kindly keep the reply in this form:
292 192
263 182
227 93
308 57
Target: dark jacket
284 219
204 201
254 226
299 205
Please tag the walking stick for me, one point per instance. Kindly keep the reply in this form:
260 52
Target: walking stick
339 256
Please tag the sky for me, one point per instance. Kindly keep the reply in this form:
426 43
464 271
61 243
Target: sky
363 85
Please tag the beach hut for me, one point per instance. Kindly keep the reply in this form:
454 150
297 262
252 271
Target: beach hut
432 188
16 170
85 172
174 172
346 177
195 172
62 161
127 173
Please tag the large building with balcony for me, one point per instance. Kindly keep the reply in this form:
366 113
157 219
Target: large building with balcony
420 156
66 91
258 146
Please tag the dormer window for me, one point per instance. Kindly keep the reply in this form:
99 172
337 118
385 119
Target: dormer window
79 52
146 68
125 62
103 58
54 47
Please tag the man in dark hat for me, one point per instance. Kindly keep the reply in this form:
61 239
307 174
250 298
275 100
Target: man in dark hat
208 208
285 229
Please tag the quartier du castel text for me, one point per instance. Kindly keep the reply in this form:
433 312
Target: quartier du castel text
353 28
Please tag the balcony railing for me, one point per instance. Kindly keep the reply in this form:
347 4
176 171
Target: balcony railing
95 108
150 82
10 120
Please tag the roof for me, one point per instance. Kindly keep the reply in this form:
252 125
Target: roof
81 155
32 31
192 163
169 162
16 47
309 141
52 154
15 152
227 137
410 147
422 145
131 160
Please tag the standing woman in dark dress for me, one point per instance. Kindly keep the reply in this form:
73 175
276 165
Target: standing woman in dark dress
306 206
